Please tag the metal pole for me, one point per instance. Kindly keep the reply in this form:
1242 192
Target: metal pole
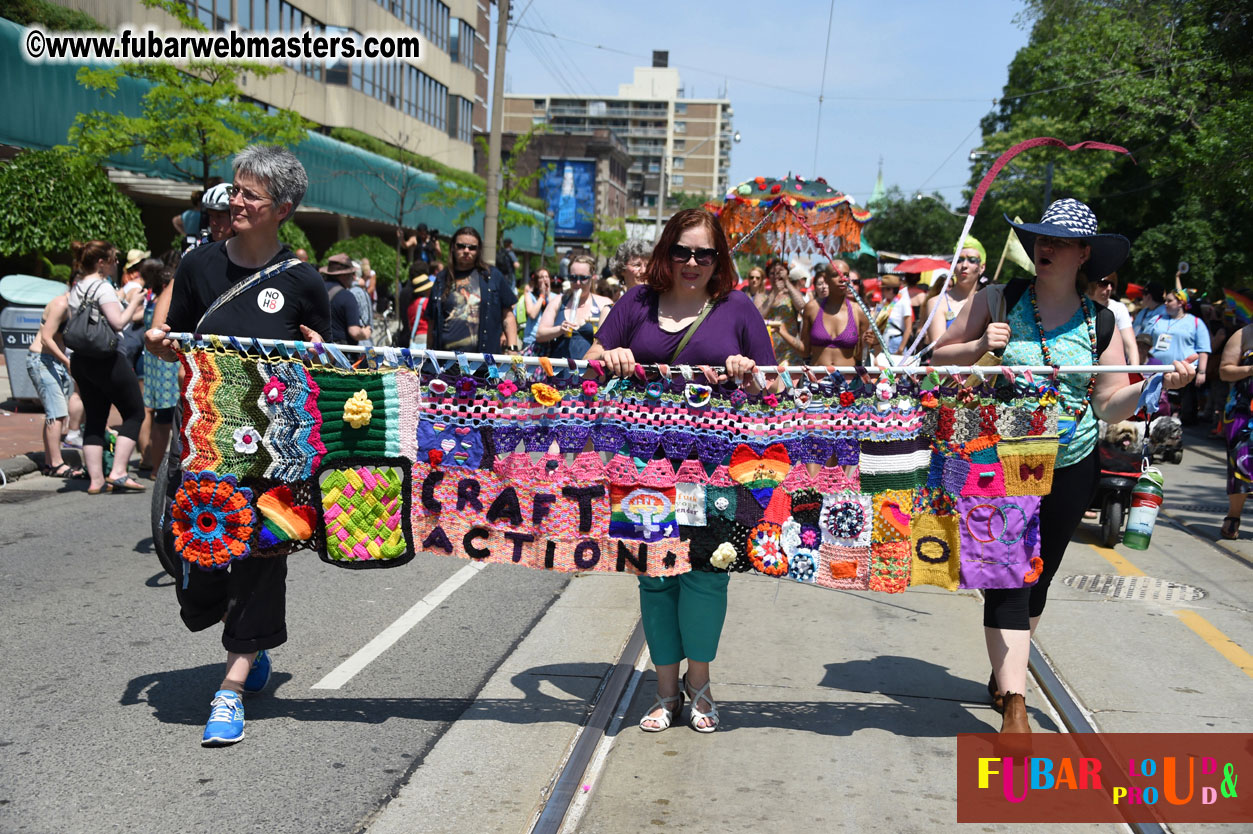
491 209
661 193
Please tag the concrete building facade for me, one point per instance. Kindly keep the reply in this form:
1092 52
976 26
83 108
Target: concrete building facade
688 138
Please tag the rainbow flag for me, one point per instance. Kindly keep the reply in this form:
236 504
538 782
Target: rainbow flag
1239 305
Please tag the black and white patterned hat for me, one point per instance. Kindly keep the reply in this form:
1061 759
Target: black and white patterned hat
1072 219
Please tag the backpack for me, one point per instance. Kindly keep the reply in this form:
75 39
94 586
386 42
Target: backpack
1008 295
87 331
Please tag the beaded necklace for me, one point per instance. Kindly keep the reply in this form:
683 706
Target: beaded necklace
1078 411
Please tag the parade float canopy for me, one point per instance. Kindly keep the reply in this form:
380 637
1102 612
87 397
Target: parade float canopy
796 216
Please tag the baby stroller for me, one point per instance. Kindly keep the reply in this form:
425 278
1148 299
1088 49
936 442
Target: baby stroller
1120 451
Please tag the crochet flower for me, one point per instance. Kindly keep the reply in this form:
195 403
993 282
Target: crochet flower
507 388
738 398
466 386
809 537
966 396
771 400
723 556
545 394
655 390
847 398
929 399
884 391
590 387
358 410
212 519
274 390
1048 396
1039 421
246 438
438 387
1033 573
801 567
697 396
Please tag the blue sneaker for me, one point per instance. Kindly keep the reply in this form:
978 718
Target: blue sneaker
259 674
226 721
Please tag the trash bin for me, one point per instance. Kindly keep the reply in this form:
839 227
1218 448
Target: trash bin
18 328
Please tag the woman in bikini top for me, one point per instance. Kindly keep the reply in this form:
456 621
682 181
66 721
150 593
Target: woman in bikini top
846 320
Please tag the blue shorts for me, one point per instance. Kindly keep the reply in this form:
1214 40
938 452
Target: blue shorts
52 381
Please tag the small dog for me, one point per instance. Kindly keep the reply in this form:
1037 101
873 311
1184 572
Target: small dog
1165 434
1125 435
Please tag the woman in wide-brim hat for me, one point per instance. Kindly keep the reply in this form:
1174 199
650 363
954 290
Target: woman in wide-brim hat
1052 322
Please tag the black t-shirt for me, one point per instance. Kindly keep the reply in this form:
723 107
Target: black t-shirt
274 309
344 313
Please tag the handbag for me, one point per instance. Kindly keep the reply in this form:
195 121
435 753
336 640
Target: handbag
87 332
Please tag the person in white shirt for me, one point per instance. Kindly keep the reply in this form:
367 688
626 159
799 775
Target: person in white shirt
895 316
1102 291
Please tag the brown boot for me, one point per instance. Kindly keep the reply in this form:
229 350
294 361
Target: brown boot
1015 713
998 700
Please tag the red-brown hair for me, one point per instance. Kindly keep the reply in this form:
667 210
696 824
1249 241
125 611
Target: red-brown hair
658 275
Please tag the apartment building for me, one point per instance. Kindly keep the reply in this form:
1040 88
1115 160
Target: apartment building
432 106
664 131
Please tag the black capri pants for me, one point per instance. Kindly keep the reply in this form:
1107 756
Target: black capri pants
102 383
1060 513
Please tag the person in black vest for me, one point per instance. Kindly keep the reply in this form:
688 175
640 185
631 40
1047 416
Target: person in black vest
248 597
1050 321
346 325
471 307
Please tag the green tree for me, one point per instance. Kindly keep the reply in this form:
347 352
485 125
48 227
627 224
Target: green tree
912 225
1172 82
192 117
608 233
515 188
53 197
295 238
681 200
379 253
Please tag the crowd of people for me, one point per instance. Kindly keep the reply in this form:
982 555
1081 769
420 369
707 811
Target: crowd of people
678 301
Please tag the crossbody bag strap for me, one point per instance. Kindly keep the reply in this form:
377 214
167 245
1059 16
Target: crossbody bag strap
243 286
691 331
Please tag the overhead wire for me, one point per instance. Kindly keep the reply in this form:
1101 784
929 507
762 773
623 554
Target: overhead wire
826 54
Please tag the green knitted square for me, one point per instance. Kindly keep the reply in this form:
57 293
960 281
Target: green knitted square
380 437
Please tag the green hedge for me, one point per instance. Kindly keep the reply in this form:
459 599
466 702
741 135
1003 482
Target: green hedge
382 256
48 15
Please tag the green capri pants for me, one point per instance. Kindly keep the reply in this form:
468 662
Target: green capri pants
683 615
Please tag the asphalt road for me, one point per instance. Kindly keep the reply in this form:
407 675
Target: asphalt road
106 693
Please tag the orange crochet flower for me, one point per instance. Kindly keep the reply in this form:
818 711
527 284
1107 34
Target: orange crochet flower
1037 567
212 520
545 395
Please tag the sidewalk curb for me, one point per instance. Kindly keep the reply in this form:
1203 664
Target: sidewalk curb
14 468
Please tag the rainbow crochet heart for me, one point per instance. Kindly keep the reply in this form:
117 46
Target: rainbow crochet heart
284 518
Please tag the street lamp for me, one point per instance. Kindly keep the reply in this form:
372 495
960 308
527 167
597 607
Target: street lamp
663 177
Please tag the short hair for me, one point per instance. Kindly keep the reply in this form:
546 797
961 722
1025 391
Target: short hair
479 264
658 275
418 268
508 242
1155 291
584 259
636 247
279 170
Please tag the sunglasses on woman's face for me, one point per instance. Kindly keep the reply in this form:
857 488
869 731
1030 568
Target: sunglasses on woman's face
681 254
974 259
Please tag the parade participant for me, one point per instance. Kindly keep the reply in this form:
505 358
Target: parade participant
570 321
755 289
411 300
1236 368
947 303
1051 322
782 315
105 381
1180 335
686 313
290 302
471 307
1103 291
895 316
833 311
347 328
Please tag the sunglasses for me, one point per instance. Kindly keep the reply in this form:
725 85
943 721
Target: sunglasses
681 254
469 247
974 259
1105 282
580 278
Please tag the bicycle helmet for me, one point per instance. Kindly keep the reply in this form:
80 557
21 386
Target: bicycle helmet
217 198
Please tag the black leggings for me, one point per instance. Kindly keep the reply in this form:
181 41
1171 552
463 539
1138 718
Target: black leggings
103 383
1060 513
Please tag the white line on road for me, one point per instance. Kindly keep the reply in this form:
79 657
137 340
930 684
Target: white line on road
345 671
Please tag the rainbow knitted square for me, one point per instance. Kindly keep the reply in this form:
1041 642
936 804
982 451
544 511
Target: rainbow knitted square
936 546
365 512
889 567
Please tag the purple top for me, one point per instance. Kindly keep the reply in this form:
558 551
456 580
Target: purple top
733 326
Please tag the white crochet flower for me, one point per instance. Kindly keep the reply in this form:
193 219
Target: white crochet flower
723 556
246 439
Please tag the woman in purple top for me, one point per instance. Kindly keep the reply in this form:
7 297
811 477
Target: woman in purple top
690 270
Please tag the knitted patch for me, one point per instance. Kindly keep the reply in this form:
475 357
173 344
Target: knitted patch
703 541
409 398
807 507
985 480
293 437
846 519
999 539
891 515
201 417
380 437
287 518
689 504
243 420
936 549
928 501
213 520
642 513
844 568
889 567
956 473
365 512
765 549
1028 464
800 546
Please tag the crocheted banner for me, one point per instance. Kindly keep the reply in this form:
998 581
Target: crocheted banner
838 484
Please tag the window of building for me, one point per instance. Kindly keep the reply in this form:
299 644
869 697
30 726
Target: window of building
430 18
460 118
679 162
680 127
539 104
680 108
680 144
461 42
676 180
597 108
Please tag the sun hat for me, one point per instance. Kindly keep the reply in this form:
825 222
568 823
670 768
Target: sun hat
340 264
422 283
134 256
1069 218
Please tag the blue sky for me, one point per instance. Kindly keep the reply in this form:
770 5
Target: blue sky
908 81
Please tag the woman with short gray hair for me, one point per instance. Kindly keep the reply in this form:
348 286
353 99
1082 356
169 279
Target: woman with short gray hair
630 261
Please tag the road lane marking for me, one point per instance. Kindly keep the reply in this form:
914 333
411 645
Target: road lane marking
1218 641
345 671
1120 562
